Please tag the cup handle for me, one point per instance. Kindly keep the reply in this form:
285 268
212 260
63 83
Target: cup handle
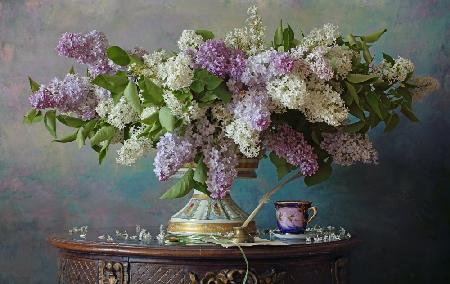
314 213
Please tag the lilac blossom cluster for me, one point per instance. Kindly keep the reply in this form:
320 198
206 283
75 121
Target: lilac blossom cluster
292 146
221 162
254 109
89 49
173 152
73 95
216 57
349 148
263 67
309 83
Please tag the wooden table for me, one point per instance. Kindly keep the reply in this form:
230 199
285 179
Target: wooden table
92 260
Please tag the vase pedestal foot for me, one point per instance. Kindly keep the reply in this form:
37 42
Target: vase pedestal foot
203 215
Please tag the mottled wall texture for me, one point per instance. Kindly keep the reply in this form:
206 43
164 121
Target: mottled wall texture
400 209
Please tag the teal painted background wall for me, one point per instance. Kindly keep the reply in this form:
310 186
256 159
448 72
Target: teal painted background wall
400 209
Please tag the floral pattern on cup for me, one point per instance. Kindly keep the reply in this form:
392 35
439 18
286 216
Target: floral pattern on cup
293 216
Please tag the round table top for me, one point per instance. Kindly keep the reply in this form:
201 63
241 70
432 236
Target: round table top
90 243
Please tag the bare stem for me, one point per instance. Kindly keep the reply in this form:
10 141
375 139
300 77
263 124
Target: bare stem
266 197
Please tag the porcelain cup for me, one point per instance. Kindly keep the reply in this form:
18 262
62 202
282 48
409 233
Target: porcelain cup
294 216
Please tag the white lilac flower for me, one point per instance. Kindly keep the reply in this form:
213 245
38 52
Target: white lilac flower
424 86
320 65
288 91
122 114
176 73
250 38
245 137
323 104
325 36
133 148
152 61
396 72
340 58
104 107
189 40
180 110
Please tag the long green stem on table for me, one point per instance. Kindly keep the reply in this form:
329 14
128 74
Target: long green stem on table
266 197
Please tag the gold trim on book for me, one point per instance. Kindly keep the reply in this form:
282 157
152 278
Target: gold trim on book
207 228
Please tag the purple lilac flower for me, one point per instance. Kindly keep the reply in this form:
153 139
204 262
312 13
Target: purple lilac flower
254 109
292 146
218 59
349 148
319 65
89 49
42 99
172 153
74 95
237 64
265 66
221 162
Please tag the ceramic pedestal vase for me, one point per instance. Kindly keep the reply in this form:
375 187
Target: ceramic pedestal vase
203 215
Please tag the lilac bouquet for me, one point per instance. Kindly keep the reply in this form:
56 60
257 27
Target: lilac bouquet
305 102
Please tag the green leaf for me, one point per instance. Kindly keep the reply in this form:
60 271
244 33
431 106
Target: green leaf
118 55
210 80
50 122
197 86
366 53
68 138
102 153
322 174
70 121
356 111
81 138
287 37
34 86
374 103
359 78
72 70
208 97
408 113
373 37
88 127
278 37
32 116
200 173
151 92
205 34
182 187
150 120
113 83
201 187
223 93
388 58
392 122
167 119
352 91
283 167
354 127
132 97
103 134
351 39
